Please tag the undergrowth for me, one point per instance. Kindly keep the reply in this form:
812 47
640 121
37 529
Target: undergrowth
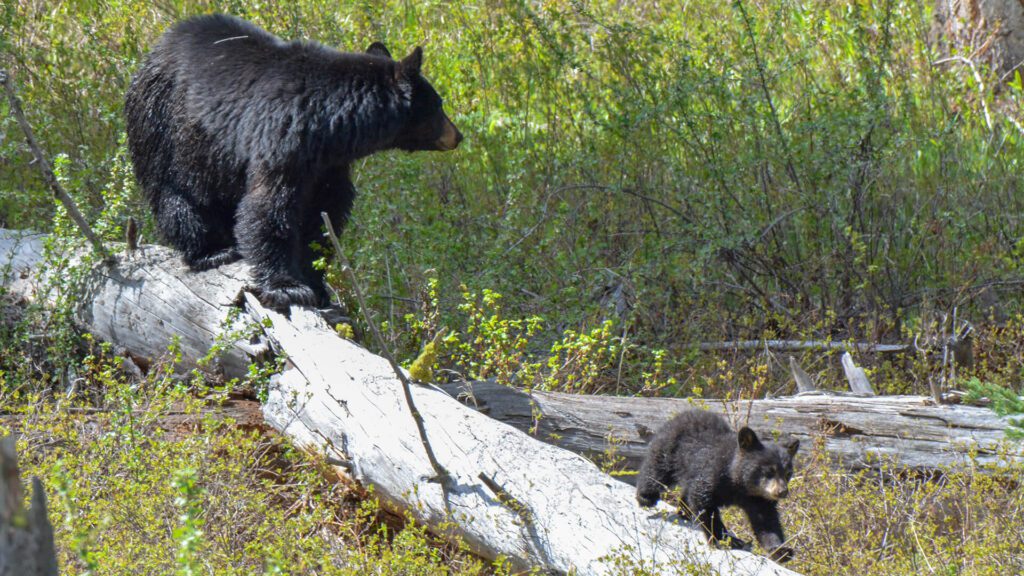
150 478
636 178
699 172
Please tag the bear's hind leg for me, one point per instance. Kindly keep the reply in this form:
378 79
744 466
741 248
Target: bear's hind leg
184 227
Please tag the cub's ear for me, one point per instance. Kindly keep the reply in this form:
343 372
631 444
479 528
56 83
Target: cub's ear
411 64
748 439
378 49
792 446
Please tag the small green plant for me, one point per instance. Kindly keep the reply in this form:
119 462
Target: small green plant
581 362
492 345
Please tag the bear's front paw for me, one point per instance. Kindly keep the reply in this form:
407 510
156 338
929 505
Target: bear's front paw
782 554
281 295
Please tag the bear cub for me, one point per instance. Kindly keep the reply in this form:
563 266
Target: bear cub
713 466
240 140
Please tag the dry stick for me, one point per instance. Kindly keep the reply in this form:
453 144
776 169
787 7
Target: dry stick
440 474
48 175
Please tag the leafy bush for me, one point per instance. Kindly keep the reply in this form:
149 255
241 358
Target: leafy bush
750 169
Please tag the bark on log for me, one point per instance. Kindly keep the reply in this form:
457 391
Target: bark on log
910 431
799 345
552 508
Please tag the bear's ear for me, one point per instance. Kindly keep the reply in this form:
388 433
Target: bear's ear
748 439
411 64
378 49
792 446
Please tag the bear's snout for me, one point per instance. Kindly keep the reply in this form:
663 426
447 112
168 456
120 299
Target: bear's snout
450 136
776 489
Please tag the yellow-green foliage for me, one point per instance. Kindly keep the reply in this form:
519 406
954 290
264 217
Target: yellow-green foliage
964 521
345 330
148 481
743 168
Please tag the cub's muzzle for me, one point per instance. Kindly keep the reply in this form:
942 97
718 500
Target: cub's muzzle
775 489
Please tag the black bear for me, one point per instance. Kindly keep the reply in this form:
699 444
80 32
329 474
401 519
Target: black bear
240 140
713 466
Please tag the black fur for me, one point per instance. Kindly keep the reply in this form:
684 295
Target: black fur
240 139
713 466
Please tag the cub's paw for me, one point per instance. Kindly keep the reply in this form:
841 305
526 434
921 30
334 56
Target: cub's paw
646 500
736 543
782 554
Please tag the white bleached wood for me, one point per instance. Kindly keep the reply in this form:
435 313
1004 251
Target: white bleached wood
341 400
911 432
797 345
856 376
142 303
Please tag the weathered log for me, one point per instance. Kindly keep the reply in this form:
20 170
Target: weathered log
144 302
552 509
26 537
858 432
798 345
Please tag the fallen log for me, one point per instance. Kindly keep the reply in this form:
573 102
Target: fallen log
911 432
513 495
143 302
800 345
508 495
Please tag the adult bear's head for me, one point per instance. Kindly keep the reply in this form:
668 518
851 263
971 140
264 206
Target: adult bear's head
428 127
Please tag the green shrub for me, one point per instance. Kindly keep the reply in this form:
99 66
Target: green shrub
749 169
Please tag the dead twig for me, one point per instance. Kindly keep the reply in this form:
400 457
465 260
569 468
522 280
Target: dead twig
47 170
440 474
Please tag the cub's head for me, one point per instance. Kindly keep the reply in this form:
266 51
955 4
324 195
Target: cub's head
428 127
763 468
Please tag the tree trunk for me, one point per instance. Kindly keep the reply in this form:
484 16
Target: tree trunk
505 493
989 30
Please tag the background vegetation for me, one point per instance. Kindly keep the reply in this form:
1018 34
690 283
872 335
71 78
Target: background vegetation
637 177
